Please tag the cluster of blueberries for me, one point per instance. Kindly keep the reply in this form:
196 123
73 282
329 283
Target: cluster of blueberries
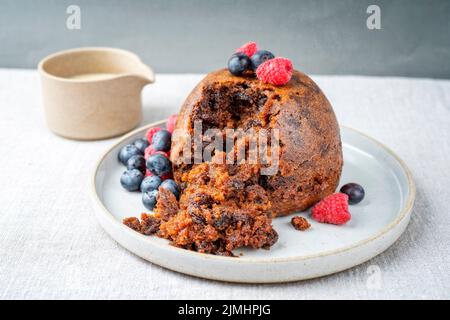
240 62
151 173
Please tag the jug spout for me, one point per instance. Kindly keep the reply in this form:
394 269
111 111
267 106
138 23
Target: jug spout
146 74
142 74
137 78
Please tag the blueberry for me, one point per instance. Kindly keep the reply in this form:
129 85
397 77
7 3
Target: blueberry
131 179
141 144
149 199
171 186
260 57
161 140
158 164
239 63
127 152
150 183
354 191
136 162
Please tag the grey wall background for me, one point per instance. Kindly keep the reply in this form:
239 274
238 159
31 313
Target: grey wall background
321 37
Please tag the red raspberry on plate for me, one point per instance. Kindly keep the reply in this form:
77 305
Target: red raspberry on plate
276 71
148 173
171 122
150 150
164 153
167 176
150 133
248 49
332 209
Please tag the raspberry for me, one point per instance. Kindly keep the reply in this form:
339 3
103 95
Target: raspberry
150 133
167 176
333 209
164 153
248 49
150 150
148 173
171 122
277 71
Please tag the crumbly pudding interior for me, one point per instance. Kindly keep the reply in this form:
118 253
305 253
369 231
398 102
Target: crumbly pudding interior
222 205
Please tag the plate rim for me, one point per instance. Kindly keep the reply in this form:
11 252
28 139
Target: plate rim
406 209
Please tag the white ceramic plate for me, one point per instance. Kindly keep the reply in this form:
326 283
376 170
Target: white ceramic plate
376 222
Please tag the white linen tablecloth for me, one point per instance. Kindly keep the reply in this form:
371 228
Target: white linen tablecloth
52 247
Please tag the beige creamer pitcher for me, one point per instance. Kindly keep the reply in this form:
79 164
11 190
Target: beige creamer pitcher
93 93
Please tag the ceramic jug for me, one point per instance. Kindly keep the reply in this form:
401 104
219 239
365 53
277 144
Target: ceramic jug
93 93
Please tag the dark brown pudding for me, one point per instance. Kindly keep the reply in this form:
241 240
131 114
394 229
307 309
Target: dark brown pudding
224 206
311 155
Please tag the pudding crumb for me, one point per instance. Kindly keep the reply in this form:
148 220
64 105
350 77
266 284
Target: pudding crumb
300 223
